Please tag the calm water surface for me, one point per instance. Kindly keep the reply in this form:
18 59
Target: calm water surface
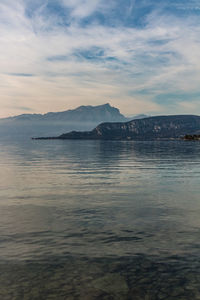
99 220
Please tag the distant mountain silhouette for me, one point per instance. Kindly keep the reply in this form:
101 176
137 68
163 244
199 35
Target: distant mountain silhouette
152 128
139 116
97 114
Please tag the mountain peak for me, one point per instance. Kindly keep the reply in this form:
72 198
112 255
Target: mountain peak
85 113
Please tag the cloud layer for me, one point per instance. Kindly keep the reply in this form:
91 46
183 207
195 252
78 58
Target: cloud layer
139 55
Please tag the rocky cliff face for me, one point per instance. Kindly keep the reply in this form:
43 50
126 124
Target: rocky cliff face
153 128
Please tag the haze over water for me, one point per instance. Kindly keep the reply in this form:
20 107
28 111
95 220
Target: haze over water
99 220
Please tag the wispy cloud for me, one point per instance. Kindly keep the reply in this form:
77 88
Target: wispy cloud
21 74
67 53
82 8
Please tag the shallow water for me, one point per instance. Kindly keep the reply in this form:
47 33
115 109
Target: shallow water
99 220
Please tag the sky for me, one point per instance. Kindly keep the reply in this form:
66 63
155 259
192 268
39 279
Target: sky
142 56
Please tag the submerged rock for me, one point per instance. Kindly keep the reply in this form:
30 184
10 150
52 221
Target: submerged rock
111 283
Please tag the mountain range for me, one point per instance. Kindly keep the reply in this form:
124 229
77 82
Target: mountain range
94 114
55 123
100 122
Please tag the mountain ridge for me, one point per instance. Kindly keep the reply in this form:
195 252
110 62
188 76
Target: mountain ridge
84 113
151 128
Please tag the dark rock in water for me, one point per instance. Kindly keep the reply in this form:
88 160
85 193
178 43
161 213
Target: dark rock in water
195 137
152 128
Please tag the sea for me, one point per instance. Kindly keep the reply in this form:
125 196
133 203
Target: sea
99 220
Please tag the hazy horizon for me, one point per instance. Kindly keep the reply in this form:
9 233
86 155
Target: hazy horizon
127 115
74 108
